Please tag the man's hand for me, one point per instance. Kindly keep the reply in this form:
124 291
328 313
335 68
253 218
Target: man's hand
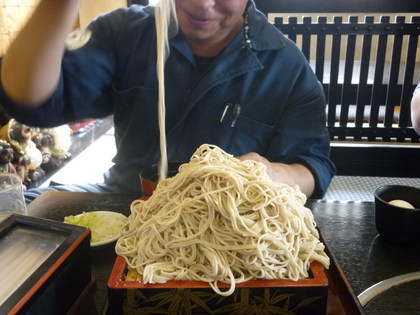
285 173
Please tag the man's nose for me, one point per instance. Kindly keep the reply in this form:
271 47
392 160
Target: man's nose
206 4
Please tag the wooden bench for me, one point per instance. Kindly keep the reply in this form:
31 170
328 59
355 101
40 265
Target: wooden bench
368 69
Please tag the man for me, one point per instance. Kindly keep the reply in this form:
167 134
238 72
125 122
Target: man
232 80
415 109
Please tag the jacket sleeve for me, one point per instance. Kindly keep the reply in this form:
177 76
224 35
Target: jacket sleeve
84 89
302 136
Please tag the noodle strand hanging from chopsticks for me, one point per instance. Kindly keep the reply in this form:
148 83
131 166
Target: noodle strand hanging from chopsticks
164 11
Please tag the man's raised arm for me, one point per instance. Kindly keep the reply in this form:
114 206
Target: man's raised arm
30 68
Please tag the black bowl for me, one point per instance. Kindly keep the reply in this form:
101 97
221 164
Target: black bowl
149 176
394 223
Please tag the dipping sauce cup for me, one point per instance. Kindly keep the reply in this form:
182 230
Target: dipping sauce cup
149 176
398 224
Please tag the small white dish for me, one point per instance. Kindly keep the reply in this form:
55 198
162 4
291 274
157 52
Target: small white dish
103 219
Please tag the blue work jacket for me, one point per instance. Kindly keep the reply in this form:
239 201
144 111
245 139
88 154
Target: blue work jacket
260 96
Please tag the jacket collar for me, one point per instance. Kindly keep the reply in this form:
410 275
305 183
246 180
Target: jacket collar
257 22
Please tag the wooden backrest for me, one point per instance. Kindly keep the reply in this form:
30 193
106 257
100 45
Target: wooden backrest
368 85
334 6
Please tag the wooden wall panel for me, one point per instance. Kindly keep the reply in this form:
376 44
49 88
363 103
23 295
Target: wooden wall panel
14 13
89 9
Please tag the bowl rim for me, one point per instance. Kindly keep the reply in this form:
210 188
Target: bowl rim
152 167
378 191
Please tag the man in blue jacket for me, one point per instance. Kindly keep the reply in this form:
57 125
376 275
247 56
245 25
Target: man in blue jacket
232 80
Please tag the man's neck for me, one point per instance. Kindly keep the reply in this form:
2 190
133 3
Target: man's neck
207 49
212 47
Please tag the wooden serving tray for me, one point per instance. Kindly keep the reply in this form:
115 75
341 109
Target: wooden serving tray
305 296
56 204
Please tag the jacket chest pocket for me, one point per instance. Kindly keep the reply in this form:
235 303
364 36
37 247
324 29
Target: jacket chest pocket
250 135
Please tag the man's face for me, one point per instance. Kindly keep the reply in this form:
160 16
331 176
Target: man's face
210 20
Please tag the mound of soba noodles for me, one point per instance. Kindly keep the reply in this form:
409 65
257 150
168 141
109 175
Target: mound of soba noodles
221 219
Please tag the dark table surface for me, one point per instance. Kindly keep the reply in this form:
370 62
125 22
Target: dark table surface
348 229
366 258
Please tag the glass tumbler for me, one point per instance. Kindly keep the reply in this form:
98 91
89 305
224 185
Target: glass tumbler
11 195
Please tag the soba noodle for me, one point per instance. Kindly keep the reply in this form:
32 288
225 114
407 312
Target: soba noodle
221 219
164 11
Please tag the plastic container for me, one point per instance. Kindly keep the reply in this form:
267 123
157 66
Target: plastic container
11 195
